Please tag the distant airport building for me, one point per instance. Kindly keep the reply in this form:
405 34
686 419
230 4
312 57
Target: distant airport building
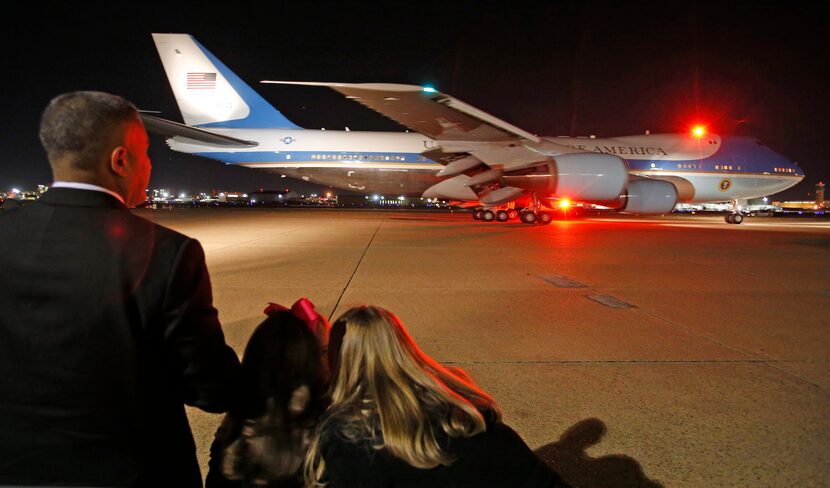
269 197
819 204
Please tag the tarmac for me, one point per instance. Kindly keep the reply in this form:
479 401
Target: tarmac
674 351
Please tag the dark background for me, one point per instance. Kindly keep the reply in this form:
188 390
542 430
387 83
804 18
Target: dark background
552 68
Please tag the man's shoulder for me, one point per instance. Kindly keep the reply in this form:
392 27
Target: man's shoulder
116 222
15 217
160 231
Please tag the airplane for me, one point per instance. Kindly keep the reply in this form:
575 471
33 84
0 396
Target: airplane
455 151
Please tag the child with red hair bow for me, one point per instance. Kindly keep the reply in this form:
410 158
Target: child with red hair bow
264 437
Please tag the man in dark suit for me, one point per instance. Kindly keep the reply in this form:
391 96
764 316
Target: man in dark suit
107 326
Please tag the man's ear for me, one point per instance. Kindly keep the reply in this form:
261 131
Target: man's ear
118 161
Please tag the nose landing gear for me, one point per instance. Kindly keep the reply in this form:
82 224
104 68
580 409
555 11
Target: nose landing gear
734 218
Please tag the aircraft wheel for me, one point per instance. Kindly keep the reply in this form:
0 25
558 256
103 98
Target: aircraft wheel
476 214
512 214
528 217
545 218
502 216
728 219
737 218
488 215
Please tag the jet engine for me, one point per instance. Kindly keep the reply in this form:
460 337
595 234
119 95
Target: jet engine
648 197
581 176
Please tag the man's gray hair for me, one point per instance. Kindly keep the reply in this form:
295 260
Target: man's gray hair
77 127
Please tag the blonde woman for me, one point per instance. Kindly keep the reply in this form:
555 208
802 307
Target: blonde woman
398 418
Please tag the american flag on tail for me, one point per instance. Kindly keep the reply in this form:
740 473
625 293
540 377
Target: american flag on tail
201 81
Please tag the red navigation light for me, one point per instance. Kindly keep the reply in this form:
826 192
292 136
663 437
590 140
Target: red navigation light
698 131
564 204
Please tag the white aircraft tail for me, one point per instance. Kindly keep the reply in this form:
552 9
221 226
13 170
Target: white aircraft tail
208 93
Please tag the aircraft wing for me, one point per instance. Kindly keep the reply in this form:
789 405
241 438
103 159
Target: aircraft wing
169 128
485 158
428 111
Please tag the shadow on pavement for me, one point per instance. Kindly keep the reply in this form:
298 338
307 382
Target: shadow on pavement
567 457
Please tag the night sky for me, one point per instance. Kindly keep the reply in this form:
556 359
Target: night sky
552 68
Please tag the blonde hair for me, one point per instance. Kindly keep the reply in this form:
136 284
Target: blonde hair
384 384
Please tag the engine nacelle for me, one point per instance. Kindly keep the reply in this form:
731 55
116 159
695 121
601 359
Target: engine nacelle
648 197
580 176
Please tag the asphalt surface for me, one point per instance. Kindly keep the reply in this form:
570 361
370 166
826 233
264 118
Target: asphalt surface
674 351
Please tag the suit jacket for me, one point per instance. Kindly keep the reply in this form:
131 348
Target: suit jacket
106 330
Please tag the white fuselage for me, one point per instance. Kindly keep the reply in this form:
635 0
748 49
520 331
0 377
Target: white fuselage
704 169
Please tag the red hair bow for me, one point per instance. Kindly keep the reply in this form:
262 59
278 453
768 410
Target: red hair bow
303 309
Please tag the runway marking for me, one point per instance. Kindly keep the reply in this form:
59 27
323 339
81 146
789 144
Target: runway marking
354 271
609 301
562 281
767 362
748 223
780 226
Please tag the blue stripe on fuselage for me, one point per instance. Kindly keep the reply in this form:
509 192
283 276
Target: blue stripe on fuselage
742 154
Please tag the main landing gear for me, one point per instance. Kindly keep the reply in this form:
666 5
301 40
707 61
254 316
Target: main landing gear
502 213
529 215
534 213
498 215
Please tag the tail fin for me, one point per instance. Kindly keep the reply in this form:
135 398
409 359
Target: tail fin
208 93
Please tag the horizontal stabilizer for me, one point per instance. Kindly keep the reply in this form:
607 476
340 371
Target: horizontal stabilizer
168 128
